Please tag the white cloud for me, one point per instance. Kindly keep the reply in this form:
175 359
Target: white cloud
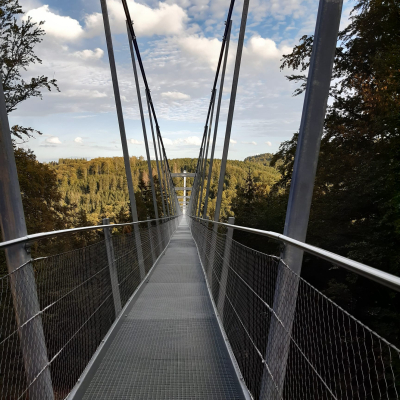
175 95
89 54
179 68
279 8
268 143
134 141
265 49
168 142
53 140
167 19
187 141
61 27
84 93
78 140
253 143
191 141
204 49
256 51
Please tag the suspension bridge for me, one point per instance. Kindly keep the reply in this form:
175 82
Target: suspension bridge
174 307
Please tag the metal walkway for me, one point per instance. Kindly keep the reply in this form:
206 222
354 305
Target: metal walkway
169 345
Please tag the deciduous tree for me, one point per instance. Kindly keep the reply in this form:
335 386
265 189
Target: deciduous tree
18 38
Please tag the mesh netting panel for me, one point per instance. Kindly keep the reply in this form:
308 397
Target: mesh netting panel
77 310
71 300
319 351
12 376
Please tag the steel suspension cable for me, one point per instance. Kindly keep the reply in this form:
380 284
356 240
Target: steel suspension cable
221 88
223 45
206 154
135 44
157 162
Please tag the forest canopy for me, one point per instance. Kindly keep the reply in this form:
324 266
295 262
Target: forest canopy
98 187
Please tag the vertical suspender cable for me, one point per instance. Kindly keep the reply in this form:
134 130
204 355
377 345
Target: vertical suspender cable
122 134
198 173
221 88
163 178
206 154
231 108
157 162
301 192
153 191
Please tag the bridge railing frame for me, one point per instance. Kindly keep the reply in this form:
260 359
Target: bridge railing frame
104 268
374 274
233 269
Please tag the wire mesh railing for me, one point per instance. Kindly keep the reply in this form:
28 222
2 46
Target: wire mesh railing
76 307
331 355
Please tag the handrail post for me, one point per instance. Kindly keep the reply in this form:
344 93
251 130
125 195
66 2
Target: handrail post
22 282
122 132
153 256
112 267
205 238
300 197
184 193
225 269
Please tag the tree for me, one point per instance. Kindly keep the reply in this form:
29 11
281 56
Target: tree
40 195
17 42
41 200
355 210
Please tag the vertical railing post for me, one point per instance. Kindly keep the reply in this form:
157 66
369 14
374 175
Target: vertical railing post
171 187
300 197
122 132
112 267
22 280
184 193
153 255
225 269
204 245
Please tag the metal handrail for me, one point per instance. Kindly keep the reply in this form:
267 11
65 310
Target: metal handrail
384 278
43 235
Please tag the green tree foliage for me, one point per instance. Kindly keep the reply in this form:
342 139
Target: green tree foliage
40 195
18 39
356 203
264 158
99 186
41 199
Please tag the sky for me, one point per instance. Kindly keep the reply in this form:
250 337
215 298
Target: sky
180 42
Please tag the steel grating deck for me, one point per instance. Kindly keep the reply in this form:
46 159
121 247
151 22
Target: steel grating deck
169 345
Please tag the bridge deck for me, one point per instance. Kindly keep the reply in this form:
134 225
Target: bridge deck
169 346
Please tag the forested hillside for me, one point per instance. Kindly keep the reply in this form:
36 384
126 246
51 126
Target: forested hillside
97 188
264 158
